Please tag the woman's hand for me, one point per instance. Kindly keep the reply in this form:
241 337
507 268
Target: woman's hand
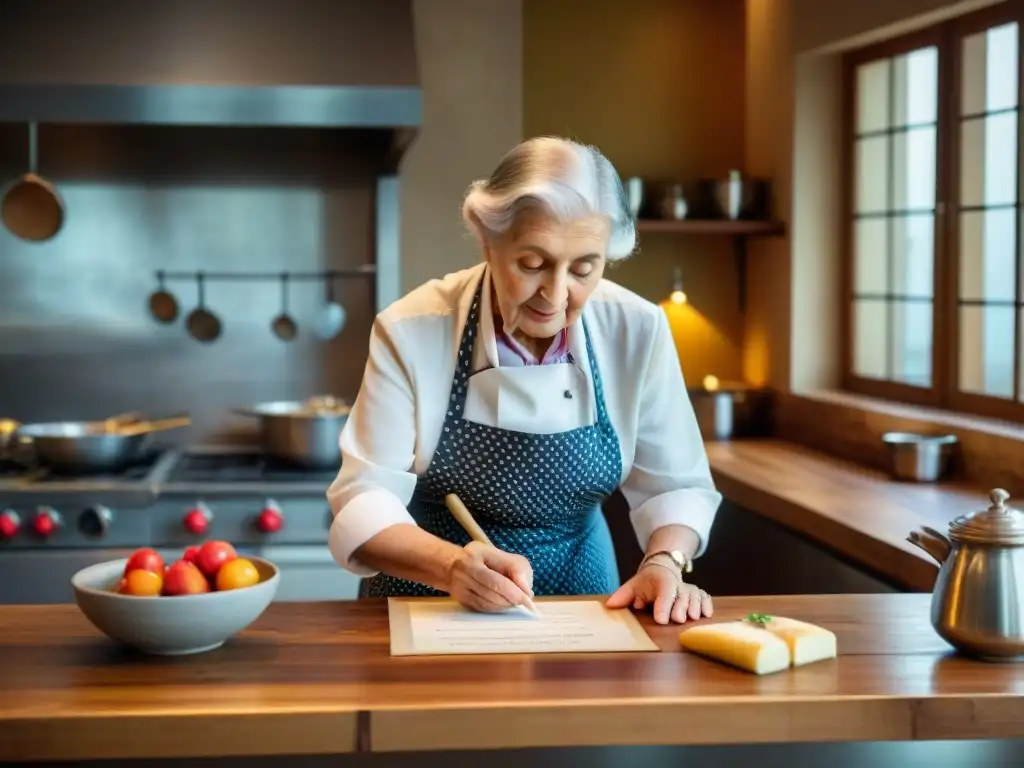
486 579
672 598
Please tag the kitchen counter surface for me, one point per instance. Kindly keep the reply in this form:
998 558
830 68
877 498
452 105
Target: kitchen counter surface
858 512
317 678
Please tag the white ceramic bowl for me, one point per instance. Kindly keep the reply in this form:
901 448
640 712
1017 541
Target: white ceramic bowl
171 626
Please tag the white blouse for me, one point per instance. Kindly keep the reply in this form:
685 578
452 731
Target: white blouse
397 418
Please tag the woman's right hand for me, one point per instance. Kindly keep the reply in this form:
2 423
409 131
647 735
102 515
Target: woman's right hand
486 579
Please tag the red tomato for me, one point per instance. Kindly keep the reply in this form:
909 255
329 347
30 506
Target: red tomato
191 554
144 560
183 578
212 555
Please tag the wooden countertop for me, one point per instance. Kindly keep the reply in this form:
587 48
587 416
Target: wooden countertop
859 512
317 678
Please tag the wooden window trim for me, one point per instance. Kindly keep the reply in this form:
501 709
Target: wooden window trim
943 393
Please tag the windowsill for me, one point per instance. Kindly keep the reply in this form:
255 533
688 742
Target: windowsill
934 417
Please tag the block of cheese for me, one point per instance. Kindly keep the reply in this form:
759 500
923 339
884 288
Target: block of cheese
740 644
761 644
807 642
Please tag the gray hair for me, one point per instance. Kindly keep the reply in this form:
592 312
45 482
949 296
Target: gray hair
561 177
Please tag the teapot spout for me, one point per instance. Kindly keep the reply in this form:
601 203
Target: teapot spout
932 542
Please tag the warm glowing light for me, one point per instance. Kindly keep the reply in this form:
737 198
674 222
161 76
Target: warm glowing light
710 383
678 297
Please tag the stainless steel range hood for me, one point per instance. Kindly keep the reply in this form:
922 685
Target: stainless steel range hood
268 63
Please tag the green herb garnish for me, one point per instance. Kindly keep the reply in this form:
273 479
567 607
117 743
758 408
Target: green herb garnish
759 618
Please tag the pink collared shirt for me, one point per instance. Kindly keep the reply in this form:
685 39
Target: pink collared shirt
512 354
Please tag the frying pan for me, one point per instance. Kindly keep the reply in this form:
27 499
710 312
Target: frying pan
83 447
202 324
162 304
32 209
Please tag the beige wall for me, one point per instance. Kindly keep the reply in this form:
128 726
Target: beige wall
470 54
657 85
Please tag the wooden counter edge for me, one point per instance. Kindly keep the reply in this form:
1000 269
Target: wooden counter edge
182 735
698 722
905 569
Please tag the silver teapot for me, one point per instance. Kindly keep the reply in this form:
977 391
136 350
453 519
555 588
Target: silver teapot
978 600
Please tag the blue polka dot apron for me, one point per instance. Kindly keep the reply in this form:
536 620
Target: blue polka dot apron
536 495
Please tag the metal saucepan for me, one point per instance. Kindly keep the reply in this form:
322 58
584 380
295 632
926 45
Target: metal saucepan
82 447
303 433
32 207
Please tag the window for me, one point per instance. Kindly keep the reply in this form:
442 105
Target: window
935 284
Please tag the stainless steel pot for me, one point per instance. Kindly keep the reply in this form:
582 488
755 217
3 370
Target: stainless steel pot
83 447
725 411
919 458
303 433
977 603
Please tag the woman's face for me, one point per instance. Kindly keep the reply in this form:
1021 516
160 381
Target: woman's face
544 271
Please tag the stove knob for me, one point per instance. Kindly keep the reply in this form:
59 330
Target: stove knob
10 524
95 521
46 522
270 520
197 521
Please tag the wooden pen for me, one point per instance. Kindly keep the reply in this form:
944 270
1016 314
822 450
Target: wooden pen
465 519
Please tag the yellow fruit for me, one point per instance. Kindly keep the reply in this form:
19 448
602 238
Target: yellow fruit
140 583
237 574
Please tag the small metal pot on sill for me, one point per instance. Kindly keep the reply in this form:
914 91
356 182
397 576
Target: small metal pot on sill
725 411
919 458
302 433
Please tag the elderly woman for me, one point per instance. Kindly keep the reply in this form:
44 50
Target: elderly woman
532 388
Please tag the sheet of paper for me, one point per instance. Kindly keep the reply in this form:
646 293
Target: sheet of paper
427 626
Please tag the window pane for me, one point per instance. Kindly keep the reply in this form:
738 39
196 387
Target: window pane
988 160
986 350
914 169
870 338
990 70
871 263
872 174
916 83
912 342
988 254
913 255
873 96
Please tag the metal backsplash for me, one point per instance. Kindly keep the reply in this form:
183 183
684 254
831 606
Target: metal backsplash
76 339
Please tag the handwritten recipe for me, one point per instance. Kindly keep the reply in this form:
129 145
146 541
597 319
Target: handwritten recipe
442 627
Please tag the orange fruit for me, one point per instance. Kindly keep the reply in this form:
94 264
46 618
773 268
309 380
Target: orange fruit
237 574
141 583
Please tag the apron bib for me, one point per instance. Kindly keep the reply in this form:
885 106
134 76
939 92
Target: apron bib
535 495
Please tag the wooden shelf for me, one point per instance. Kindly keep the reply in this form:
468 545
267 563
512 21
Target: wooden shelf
739 230
725 227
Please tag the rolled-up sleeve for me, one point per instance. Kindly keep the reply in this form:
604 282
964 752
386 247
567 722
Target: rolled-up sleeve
670 481
375 484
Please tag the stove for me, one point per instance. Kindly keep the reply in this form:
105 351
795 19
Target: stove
51 525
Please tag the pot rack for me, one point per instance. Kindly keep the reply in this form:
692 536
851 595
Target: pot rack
365 270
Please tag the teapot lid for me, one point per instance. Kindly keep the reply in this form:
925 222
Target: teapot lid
999 524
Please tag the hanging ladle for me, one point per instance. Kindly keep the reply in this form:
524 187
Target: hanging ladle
32 207
330 319
202 324
284 326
